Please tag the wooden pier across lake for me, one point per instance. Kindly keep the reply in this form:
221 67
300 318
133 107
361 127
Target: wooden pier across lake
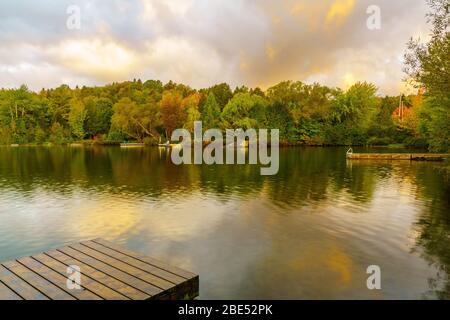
107 272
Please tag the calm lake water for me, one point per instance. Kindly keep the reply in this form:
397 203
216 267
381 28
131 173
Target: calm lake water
309 232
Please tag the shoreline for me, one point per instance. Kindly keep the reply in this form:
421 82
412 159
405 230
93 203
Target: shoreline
281 145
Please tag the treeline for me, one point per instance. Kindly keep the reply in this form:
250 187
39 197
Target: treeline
149 111
305 114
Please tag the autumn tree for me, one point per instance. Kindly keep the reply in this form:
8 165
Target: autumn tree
173 113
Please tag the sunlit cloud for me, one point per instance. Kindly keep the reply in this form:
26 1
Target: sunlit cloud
95 57
200 43
339 10
271 52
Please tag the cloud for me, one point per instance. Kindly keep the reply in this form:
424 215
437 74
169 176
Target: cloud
202 42
339 11
95 57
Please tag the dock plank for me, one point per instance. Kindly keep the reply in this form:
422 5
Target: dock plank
57 279
149 278
86 282
151 261
38 282
7 294
101 277
161 273
18 285
113 272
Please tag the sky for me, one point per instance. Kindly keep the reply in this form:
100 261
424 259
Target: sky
205 42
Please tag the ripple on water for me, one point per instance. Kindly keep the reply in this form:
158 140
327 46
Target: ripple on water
310 231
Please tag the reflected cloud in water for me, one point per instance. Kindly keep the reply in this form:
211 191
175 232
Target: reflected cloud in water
309 232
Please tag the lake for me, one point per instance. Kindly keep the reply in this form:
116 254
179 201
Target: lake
309 232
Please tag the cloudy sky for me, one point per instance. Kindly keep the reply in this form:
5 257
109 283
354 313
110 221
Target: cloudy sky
203 42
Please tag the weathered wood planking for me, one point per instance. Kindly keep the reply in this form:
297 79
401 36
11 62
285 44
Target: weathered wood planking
108 272
399 156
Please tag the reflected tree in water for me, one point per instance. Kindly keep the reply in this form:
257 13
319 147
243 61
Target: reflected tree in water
434 227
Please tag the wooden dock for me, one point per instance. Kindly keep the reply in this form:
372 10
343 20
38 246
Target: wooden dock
132 145
107 272
398 156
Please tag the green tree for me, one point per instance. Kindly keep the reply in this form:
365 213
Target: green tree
223 94
57 134
137 121
241 89
190 105
352 114
382 130
299 110
59 108
77 116
211 113
244 111
17 112
435 124
357 105
99 114
428 65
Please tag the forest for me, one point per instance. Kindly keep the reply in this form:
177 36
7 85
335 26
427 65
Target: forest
306 114
149 111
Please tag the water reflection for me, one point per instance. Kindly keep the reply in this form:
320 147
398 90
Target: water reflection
308 232
434 227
